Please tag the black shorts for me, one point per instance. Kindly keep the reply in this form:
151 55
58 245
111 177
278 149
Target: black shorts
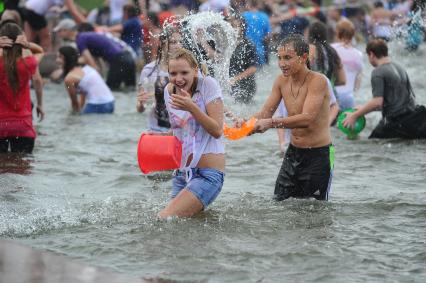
305 173
36 21
122 69
17 144
410 125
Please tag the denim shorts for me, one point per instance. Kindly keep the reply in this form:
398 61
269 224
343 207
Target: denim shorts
98 108
205 184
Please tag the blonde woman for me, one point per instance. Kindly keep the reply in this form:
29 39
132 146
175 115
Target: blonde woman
195 107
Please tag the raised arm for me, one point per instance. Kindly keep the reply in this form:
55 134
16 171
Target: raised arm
76 14
35 49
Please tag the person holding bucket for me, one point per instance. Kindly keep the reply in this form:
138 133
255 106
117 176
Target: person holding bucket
195 107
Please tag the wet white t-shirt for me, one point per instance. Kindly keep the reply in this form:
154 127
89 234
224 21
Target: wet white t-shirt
195 139
352 64
94 87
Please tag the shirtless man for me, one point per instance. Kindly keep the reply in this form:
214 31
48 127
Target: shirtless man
307 166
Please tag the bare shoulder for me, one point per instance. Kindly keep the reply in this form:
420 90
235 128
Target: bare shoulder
74 76
317 81
317 77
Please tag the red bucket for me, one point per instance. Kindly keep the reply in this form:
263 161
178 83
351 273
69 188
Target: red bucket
157 153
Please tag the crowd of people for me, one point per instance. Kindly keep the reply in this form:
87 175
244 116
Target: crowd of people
143 46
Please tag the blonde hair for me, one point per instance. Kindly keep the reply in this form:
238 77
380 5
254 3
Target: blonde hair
345 30
190 58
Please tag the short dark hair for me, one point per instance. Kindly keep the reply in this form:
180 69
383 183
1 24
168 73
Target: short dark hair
131 10
299 43
85 27
378 4
378 47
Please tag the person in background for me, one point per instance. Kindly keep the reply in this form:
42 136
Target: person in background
258 29
65 30
381 21
35 25
18 63
242 68
351 59
100 16
322 57
154 78
12 16
96 97
116 10
217 6
195 106
151 30
130 30
393 94
116 53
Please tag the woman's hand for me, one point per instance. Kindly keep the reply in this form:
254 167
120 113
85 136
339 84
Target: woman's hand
22 40
40 112
142 97
182 101
141 100
5 42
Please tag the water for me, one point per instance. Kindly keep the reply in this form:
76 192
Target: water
81 194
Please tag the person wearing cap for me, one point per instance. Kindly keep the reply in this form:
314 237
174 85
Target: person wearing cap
64 30
35 25
116 53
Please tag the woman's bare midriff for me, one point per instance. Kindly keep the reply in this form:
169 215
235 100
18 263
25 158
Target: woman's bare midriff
210 160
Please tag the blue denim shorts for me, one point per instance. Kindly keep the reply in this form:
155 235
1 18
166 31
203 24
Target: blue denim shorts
98 108
205 184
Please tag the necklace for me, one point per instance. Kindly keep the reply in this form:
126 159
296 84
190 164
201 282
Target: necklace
291 86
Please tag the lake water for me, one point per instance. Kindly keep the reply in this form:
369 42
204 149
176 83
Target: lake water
81 194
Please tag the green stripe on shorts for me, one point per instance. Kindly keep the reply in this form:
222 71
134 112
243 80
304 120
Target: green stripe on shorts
331 157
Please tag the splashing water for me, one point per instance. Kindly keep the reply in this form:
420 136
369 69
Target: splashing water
411 34
208 30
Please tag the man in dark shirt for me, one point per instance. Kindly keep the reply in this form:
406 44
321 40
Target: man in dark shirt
393 94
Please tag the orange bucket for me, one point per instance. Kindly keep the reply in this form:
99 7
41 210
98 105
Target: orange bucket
238 133
157 153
